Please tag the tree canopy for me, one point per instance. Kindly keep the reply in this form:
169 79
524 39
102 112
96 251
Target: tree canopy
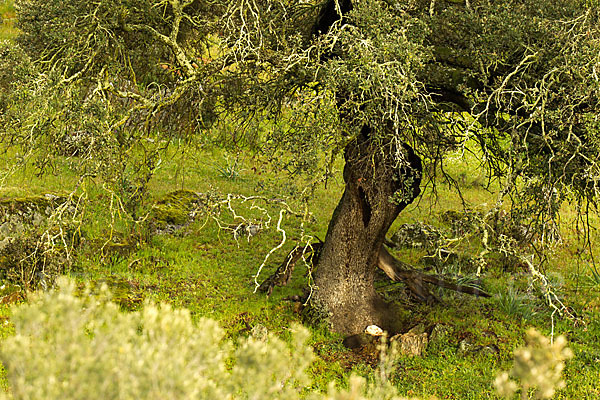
517 79
386 82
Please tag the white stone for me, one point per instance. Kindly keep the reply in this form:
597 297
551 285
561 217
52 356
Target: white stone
374 330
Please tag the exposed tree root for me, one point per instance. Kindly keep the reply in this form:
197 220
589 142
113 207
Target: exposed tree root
395 269
414 279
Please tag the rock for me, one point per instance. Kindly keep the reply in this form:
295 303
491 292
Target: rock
25 259
253 229
417 235
12 227
466 347
19 213
38 219
259 332
175 207
176 210
411 343
491 349
374 330
462 222
439 333
417 329
245 230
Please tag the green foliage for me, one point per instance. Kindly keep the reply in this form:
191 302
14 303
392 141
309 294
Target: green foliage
7 7
74 344
15 66
513 303
516 81
7 19
377 63
594 276
89 29
175 208
229 170
37 236
511 83
206 271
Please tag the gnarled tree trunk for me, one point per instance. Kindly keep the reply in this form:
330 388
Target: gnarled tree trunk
346 267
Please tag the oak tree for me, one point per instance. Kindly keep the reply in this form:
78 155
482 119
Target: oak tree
391 86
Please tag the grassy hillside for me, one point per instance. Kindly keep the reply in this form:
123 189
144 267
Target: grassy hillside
205 269
201 265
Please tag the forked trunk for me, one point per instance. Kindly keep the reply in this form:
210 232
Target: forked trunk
377 189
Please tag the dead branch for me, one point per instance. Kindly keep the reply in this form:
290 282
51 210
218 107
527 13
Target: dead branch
283 274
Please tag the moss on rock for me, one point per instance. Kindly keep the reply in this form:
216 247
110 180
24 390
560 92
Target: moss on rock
25 259
29 209
175 208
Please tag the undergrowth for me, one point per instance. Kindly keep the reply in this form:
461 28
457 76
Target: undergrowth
209 271
180 251
74 343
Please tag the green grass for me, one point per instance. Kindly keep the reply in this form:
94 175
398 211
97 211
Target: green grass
207 271
7 12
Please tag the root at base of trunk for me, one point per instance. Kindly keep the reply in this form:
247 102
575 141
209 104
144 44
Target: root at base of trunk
416 281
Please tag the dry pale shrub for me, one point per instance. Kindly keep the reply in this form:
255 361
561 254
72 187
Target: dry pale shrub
75 344
537 366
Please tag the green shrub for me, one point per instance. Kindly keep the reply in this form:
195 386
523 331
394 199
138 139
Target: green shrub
79 32
38 234
15 65
71 344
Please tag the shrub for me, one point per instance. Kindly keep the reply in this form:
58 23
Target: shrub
81 31
15 65
71 344
76 344
38 235
538 366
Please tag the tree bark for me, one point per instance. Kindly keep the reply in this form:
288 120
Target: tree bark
346 267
